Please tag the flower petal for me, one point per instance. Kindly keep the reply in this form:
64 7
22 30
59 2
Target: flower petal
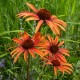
38 26
31 51
26 14
14 51
17 40
50 39
25 55
56 40
39 52
32 7
53 17
32 18
16 58
68 68
60 26
61 57
53 28
60 22
61 43
55 70
18 51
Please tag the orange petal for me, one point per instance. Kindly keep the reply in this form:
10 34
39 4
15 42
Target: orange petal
31 51
17 40
18 51
16 58
55 70
39 52
67 64
49 63
60 26
53 27
32 7
38 26
64 50
56 28
60 22
61 57
25 55
50 39
53 17
65 53
36 38
68 68
61 43
26 14
61 69
32 18
56 40
14 51
25 36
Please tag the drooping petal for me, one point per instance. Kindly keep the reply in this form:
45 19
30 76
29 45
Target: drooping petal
31 51
61 57
65 53
56 28
32 18
60 26
53 28
68 68
61 69
18 51
63 50
25 55
67 64
60 22
14 51
32 7
16 58
55 70
39 52
17 40
38 26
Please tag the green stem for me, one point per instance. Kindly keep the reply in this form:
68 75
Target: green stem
28 67
53 74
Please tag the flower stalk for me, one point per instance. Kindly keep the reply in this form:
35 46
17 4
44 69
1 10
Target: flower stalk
28 67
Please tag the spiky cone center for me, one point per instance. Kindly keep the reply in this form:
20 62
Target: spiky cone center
27 44
54 49
44 14
56 63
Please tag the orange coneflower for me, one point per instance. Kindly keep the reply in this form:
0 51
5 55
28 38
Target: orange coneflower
27 45
43 15
63 67
52 46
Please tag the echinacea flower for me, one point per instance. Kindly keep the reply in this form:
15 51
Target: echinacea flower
43 15
58 65
52 46
27 45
